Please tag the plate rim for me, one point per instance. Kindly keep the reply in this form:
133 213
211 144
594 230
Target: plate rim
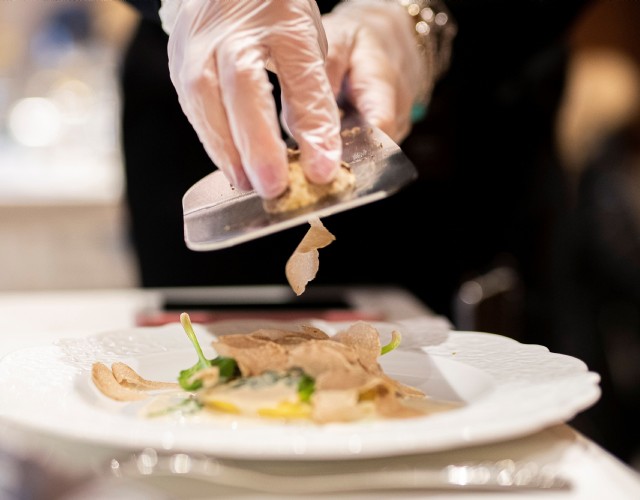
369 446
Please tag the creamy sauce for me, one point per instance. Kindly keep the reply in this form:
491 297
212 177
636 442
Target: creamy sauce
183 407
172 408
250 398
175 403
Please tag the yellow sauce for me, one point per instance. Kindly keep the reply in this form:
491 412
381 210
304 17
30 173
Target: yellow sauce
248 399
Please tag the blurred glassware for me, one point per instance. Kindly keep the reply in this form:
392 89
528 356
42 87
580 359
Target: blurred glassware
32 471
59 103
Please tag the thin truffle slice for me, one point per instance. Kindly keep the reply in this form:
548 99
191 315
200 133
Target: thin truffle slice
304 263
128 377
253 355
364 338
107 384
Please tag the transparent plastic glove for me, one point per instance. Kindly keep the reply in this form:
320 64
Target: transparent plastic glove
373 61
219 51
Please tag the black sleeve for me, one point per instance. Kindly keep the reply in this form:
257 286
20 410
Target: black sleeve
148 8
496 28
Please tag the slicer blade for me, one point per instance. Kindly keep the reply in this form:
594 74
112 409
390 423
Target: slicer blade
218 216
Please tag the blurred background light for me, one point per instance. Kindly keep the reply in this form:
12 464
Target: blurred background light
35 122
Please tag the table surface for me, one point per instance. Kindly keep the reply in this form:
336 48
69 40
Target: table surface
32 319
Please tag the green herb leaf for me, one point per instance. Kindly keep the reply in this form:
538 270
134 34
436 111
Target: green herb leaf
186 407
184 378
395 342
227 367
306 387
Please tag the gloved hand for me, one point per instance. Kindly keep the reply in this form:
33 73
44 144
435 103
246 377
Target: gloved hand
374 62
218 52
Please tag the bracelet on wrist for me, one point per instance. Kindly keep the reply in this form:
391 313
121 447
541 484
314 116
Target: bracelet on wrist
434 30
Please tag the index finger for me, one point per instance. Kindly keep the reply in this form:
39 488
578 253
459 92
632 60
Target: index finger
309 106
253 119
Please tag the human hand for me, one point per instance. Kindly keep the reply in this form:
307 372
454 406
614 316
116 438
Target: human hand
374 62
219 51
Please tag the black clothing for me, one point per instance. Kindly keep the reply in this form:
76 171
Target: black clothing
489 184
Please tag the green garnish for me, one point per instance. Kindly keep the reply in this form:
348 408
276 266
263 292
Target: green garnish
186 407
395 342
227 366
306 387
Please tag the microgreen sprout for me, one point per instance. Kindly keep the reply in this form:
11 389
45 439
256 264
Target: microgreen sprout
395 342
227 366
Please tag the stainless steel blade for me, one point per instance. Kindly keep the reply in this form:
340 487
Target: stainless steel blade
217 216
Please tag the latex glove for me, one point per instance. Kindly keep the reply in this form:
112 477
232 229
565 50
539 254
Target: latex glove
219 51
374 62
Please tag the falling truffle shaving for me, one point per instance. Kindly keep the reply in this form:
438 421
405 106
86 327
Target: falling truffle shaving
304 263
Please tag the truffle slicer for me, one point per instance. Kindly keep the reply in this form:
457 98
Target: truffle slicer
218 216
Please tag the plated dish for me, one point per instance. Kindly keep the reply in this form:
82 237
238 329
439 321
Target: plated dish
504 389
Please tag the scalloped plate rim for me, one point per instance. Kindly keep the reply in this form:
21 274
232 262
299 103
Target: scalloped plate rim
572 389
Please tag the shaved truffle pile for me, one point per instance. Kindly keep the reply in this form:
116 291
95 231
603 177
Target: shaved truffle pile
349 382
301 373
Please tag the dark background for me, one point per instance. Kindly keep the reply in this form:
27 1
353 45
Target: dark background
494 191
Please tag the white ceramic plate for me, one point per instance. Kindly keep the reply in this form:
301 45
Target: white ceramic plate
508 390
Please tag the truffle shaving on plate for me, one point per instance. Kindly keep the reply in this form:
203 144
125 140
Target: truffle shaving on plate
292 375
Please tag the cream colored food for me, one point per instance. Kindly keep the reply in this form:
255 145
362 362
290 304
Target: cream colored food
302 193
301 374
349 382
